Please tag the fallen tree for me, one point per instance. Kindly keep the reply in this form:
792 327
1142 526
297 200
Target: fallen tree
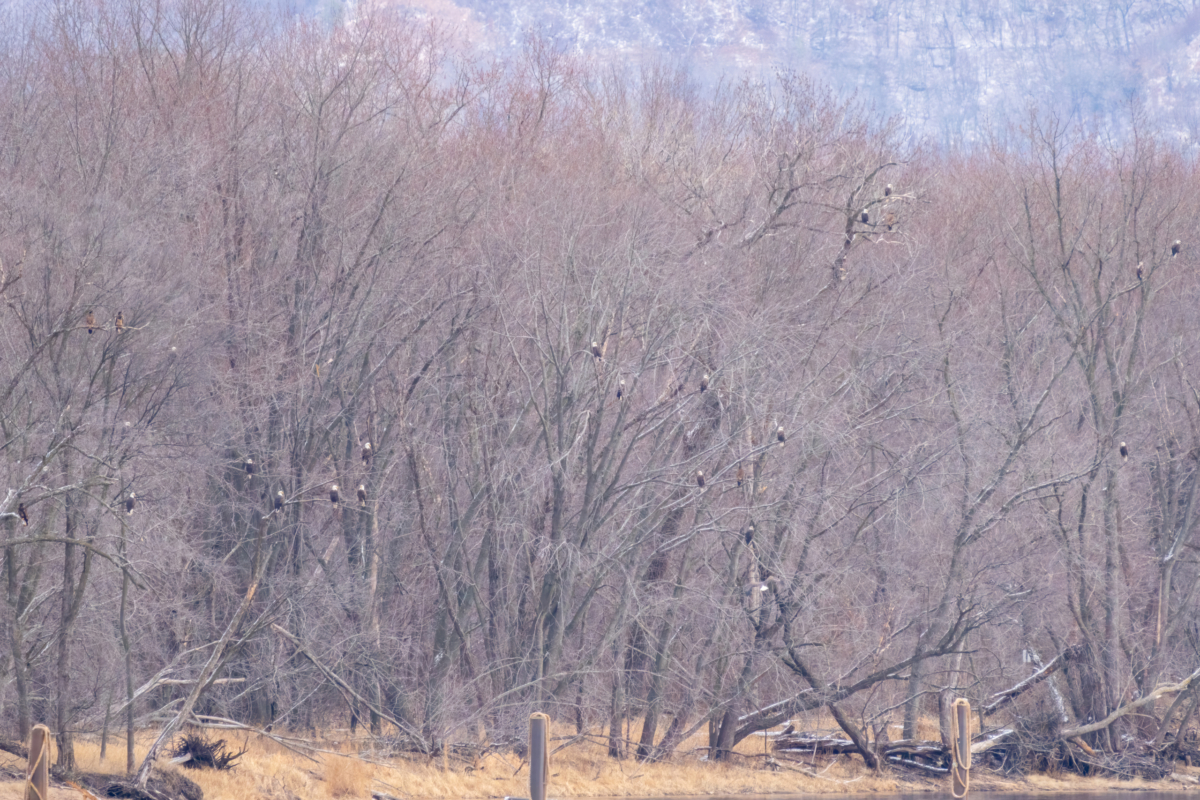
1024 747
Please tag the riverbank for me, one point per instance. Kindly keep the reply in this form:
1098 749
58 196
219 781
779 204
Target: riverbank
269 771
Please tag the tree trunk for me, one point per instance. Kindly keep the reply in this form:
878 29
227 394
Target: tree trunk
616 719
73 590
945 710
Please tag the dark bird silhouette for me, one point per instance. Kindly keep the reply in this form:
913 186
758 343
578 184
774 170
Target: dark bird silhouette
130 502
741 475
887 190
703 382
700 478
621 389
21 513
333 494
1124 452
596 351
250 467
780 436
362 495
120 324
279 500
864 216
1175 248
750 533
366 452
889 220
1139 272
91 321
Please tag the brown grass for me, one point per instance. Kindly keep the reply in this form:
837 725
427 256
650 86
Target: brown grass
269 771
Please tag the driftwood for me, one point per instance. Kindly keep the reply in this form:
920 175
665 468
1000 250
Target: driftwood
1021 749
922 755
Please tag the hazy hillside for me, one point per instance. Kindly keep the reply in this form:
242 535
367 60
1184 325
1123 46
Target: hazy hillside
947 65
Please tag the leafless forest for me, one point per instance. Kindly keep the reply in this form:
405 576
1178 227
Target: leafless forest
658 408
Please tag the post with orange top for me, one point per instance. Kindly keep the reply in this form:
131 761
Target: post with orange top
960 748
37 774
539 755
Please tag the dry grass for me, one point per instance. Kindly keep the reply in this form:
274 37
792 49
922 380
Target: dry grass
270 772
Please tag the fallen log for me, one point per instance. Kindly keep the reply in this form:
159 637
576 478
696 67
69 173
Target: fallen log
1000 699
917 765
808 743
901 751
1150 698
16 748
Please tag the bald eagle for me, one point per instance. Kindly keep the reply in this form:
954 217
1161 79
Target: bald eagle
700 478
250 467
91 321
1175 248
596 351
780 436
120 324
1124 452
333 494
130 503
741 476
362 494
864 216
621 389
279 500
21 513
703 382
887 190
366 452
750 533
1139 272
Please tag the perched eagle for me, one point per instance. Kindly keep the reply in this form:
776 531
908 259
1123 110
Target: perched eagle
21 513
1139 272
333 494
1124 452
621 389
700 478
741 476
887 190
91 321
864 216
889 219
130 502
596 351
780 436
1175 248
362 494
279 500
703 382
250 467
366 452
750 533
120 322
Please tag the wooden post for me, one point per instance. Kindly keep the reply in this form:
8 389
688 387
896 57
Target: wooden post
37 774
539 755
960 748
